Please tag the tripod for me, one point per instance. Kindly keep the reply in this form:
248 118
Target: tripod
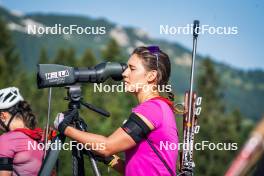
75 101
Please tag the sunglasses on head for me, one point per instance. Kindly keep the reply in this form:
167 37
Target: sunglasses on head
155 51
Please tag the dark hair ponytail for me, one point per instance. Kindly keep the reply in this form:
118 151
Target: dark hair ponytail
23 111
171 96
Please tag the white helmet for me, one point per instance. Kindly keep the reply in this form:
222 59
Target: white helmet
9 97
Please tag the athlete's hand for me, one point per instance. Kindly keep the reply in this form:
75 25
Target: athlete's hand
106 160
64 119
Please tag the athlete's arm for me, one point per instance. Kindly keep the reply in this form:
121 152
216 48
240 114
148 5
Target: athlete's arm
6 155
117 142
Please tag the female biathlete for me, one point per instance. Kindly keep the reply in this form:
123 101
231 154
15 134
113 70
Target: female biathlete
150 127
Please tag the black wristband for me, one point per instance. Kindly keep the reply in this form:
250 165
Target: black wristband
68 119
62 126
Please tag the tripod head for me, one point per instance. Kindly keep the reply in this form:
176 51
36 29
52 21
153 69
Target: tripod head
74 96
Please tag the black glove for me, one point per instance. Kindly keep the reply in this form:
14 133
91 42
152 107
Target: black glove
68 119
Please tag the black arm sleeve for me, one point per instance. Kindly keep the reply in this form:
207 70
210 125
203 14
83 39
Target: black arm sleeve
6 164
136 128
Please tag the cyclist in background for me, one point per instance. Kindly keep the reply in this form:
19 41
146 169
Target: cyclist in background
19 126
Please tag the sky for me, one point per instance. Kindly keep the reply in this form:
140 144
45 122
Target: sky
241 50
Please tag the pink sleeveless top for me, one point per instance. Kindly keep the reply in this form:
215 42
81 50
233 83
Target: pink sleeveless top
27 161
141 160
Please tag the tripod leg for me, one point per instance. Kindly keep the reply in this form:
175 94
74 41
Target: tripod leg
51 157
57 167
77 161
81 125
93 163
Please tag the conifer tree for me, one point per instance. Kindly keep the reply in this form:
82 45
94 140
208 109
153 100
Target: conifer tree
88 59
112 51
217 126
10 62
43 58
